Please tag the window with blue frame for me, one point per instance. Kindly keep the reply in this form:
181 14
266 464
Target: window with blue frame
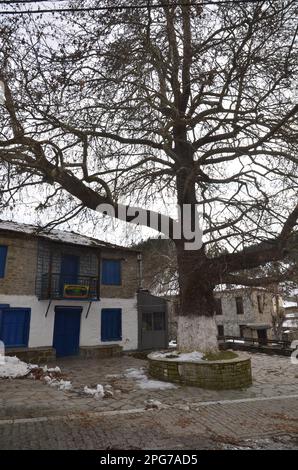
3 255
111 324
111 272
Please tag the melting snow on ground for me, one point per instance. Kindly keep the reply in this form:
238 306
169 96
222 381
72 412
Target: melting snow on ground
194 356
12 367
51 369
59 383
97 392
144 383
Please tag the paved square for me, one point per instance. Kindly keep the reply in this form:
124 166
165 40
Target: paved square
36 415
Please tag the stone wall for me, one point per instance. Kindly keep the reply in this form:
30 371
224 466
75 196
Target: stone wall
33 355
213 375
129 274
21 261
90 266
231 321
100 352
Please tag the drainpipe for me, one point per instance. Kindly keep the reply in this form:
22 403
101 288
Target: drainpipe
140 271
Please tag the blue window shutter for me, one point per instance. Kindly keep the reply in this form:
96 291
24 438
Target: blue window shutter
15 323
3 254
111 272
111 324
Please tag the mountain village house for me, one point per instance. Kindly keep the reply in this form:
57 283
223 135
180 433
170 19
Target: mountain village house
239 312
64 294
245 312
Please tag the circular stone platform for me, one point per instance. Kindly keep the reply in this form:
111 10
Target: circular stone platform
214 375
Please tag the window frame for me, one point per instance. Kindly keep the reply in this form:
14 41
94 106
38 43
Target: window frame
260 304
103 261
237 300
218 302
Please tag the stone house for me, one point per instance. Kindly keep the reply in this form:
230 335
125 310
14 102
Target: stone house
290 323
241 312
245 312
63 294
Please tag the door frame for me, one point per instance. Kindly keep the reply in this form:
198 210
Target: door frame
79 310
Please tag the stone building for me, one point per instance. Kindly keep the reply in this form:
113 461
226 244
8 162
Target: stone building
241 312
245 312
63 293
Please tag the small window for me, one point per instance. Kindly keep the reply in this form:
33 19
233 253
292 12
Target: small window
3 255
220 330
147 321
239 305
218 307
158 321
111 272
260 304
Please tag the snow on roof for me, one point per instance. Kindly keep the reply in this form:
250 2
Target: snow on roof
290 324
289 304
57 235
222 288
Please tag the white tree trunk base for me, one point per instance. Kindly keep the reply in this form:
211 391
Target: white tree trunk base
197 333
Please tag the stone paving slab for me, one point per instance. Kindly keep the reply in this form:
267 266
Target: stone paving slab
34 415
272 376
255 424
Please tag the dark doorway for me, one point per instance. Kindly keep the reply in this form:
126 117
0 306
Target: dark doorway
262 336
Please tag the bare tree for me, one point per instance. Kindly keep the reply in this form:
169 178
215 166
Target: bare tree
190 102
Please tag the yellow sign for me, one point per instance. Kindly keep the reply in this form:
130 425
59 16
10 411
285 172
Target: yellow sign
75 291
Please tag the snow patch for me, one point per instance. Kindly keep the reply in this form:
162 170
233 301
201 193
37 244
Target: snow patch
12 367
51 369
147 384
194 356
97 392
60 384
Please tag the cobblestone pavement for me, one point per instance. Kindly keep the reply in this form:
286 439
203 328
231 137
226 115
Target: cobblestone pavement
258 424
263 416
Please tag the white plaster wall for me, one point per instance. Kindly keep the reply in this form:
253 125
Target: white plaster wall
91 326
42 327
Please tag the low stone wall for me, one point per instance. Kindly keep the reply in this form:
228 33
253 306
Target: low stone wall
256 349
100 352
33 355
44 355
213 375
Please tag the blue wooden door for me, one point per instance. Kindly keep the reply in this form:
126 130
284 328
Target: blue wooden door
111 328
14 326
66 338
69 271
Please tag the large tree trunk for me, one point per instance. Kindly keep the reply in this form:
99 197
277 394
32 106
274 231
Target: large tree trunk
197 329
